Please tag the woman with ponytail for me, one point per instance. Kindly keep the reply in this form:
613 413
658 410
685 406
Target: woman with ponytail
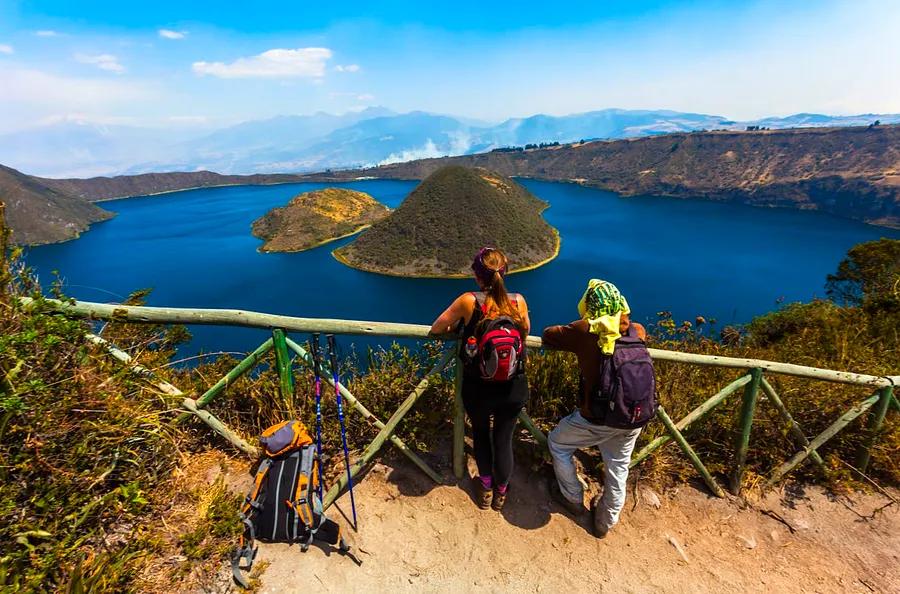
500 401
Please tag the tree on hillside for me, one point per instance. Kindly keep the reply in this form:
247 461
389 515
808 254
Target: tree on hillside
868 276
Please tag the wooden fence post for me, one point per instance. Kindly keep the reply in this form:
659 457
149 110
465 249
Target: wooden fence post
690 418
365 412
793 427
885 395
536 433
240 369
285 373
389 427
221 428
689 452
832 430
742 444
459 421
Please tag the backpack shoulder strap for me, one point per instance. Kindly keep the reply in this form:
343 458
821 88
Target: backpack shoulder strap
480 300
246 551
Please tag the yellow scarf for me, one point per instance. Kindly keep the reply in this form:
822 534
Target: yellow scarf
602 305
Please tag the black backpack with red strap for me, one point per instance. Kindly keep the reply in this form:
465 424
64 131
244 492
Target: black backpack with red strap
500 346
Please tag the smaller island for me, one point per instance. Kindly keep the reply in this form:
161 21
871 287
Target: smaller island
315 218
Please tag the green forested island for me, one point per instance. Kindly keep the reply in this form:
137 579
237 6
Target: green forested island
453 213
313 218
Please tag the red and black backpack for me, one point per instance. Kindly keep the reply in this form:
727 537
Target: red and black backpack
500 354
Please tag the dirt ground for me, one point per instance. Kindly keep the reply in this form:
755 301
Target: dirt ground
415 536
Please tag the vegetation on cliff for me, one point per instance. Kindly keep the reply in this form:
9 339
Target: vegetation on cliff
317 217
447 219
40 214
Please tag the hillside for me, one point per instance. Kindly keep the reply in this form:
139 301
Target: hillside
317 217
447 219
849 172
96 189
39 214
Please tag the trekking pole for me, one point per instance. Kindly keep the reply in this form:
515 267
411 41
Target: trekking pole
332 354
317 386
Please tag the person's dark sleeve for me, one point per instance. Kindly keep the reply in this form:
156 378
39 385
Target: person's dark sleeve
560 338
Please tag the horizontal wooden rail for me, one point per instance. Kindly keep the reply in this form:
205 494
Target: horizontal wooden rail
820 439
695 415
370 418
235 317
140 370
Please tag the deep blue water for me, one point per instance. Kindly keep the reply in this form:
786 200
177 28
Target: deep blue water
690 257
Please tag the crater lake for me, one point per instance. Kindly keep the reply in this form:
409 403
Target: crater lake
194 248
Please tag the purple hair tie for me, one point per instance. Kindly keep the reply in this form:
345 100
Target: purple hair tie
482 272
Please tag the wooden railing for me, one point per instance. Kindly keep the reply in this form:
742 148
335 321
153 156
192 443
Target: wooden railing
879 402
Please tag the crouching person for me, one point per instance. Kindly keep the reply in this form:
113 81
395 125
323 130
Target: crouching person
617 398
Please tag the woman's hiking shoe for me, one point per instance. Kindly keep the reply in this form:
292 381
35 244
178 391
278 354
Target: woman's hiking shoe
499 499
575 509
483 495
600 528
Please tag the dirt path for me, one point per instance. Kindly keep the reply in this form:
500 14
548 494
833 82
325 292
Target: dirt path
418 537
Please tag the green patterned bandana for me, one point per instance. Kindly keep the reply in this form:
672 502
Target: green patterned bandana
602 305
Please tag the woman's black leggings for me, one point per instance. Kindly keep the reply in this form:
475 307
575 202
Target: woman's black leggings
493 444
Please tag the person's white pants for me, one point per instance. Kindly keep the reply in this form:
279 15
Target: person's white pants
575 432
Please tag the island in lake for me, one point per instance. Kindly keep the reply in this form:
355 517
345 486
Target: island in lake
314 218
447 218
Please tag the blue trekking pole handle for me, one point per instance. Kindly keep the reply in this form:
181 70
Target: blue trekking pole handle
332 354
317 385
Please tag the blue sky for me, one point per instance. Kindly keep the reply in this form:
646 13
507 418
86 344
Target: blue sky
205 63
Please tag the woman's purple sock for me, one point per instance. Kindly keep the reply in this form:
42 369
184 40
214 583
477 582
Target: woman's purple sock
486 481
502 489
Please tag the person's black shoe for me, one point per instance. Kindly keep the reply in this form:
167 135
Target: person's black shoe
499 499
600 528
482 495
576 509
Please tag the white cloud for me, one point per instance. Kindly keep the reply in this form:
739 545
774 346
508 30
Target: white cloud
32 96
102 61
347 68
5 49
365 97
428 151
170 34
188 119
86 118
46 33
275 63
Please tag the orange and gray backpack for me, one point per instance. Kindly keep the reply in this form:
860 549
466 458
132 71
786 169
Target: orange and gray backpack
284 504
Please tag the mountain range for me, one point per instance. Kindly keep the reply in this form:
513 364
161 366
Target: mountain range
322 141
852 172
